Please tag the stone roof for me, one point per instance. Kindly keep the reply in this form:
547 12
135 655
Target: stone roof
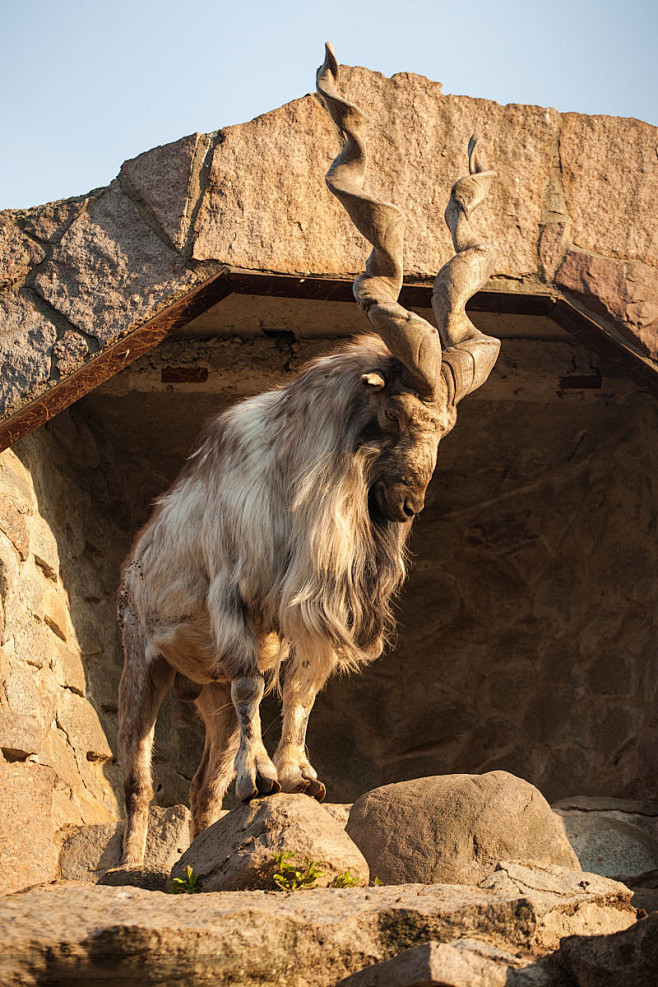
88 284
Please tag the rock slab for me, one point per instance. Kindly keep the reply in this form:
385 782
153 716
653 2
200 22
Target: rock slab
236 853
455 829
95 935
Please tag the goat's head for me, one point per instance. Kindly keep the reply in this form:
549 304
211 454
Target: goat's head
415 405
403 432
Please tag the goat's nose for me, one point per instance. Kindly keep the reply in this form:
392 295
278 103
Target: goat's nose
413 504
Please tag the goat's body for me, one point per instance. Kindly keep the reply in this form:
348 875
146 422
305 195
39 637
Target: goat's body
264 549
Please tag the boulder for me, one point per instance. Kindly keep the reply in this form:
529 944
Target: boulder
455 829
95 935
92 853
237 852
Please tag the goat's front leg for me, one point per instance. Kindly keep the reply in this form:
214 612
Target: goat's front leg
295 772
255 774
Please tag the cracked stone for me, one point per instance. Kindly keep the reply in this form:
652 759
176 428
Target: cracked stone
110 271
162 177
26 341
18 252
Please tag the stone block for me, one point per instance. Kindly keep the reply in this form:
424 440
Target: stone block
22 692
266 206
13 524
162 178
236 852
68 668
92 853
79 721
612 201
455 829
56 611
48 221
626 291
465 963
18 253
29 855
34 642
26 341
20 735
628 957
43 546
110 270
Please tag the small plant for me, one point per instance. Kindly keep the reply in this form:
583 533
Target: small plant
345 880
377 883
187 884
289 878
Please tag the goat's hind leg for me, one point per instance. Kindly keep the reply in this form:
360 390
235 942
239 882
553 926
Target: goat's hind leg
217 768
145 680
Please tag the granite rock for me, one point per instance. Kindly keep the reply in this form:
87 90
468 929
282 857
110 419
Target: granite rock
236 853
627 957
610 177
161 177
266 206
110 270
18 253
28 853
626 291
94 934
26 341
455 829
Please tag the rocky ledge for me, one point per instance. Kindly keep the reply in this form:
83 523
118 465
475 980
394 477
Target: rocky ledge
92 935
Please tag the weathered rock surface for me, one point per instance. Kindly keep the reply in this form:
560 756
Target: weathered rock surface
612 205
89 852
264 207
93 934
235 853
464 963
626 291
613 837
18 253
26 341
455 829
161 177
110 269
630 957
26 846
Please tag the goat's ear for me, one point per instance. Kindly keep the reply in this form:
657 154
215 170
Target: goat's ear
373 380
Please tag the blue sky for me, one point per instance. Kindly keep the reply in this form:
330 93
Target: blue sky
86 85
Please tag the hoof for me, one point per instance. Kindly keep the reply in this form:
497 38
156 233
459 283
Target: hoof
263 787
316 790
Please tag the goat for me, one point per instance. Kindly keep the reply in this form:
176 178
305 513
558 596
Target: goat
282 543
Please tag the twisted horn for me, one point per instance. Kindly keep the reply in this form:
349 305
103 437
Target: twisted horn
469 356
413 340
